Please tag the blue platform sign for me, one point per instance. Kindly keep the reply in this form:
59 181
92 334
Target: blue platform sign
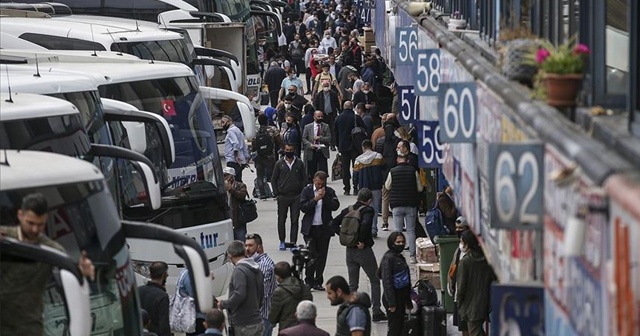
427 72
457 112
407 44
516 185
429 144
409 105
517 309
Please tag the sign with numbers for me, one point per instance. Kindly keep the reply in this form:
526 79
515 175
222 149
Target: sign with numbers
516 185
427 72
409 109
407 44
457 112
429 144
517 309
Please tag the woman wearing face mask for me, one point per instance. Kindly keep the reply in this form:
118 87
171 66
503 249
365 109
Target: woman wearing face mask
396 281
461 226
473 282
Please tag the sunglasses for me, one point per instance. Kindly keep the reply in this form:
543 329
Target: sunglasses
250 236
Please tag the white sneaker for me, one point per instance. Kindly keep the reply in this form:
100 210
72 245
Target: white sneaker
413 260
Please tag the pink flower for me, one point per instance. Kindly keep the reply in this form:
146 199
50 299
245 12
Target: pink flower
542 55
581 49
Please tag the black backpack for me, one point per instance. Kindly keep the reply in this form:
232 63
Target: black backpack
427 293
264 144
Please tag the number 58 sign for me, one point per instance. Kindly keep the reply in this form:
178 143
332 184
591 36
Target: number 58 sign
516 185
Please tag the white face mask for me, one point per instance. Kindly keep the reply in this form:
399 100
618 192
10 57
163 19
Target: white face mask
325 89
399 152
462 247
365 91
287 105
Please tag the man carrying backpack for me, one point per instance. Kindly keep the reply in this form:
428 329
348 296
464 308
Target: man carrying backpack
355 233
265 144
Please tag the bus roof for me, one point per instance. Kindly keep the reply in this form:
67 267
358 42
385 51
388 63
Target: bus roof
28 105
31 169
22 79
105 67
96 31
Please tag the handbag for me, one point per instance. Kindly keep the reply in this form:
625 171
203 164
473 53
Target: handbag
182 311
248 210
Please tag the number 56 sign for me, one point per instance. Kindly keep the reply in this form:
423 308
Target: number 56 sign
516 185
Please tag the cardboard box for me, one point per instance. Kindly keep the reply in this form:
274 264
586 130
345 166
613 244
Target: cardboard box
369 36
425 251
431 272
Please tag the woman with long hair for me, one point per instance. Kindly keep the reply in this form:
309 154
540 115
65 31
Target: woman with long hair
396 281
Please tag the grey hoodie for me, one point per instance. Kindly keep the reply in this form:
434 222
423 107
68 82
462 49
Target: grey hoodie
246 290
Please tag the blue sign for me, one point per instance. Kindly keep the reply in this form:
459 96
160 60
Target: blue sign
457 112
407 44
429 144
409 105
427 72
516 185
517 310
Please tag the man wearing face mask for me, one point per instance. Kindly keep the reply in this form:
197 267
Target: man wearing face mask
255 250
328 102
367 97
461 226
296 50
328 78
327 42
288 82
236 152
404 185
154 299
288 179
316 138
297 100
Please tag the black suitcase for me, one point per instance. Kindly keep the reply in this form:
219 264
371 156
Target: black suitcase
411 325
434 321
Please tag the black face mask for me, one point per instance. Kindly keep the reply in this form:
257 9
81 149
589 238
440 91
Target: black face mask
289 154
319 121
226 126
398 248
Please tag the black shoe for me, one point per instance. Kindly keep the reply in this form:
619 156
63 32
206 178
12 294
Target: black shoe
318 287
346 193
355 191
379 317
333 148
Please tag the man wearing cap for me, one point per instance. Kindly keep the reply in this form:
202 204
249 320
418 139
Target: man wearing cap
461 226
236 193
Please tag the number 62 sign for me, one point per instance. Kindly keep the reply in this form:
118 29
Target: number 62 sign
516 185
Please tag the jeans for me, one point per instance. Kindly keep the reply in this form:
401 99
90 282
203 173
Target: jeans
263 173
268 328
375 203
406 216
238 168
291 203
385 204
248 330
239 233
366 259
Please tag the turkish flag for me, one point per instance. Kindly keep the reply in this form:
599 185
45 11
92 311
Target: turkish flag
168 108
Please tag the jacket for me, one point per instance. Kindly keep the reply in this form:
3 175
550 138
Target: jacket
363 302
389 145
308 140
392 263
237 194
369 166
285 300
361 97
274 77
318 102
304 328
474 278
366 221
154 299
345 123
288 182
404 185
246 290
330 203
449 210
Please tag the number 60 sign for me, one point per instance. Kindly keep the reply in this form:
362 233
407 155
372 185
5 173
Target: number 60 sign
457 112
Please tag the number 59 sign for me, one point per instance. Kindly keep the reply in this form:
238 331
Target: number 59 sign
429 144
516 186
457 112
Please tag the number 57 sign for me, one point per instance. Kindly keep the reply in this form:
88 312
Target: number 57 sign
516 185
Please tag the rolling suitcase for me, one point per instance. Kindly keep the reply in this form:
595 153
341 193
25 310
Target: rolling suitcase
434 321
411 326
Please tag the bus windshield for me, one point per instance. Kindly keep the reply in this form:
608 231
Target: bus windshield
165 50
82 217
179 101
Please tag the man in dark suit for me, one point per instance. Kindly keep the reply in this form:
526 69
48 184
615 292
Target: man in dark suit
369 98
214 322
316 138
328 102
317 202
345 123
154 299
273 78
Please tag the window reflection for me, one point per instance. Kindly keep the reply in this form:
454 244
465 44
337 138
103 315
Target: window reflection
617 46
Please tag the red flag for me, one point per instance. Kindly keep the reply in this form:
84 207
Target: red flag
168 109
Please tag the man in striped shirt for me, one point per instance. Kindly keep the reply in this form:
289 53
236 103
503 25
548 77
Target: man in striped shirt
255 250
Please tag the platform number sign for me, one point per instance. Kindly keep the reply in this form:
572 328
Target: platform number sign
457 112
429 144
516 185
427 72
406 45
409 105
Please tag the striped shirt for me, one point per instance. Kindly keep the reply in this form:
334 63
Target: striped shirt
266 265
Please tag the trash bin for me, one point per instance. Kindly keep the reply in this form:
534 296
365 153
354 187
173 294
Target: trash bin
447 247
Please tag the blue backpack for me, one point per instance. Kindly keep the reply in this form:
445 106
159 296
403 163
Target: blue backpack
434 223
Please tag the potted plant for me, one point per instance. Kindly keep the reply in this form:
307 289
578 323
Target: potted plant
561 70
456 22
